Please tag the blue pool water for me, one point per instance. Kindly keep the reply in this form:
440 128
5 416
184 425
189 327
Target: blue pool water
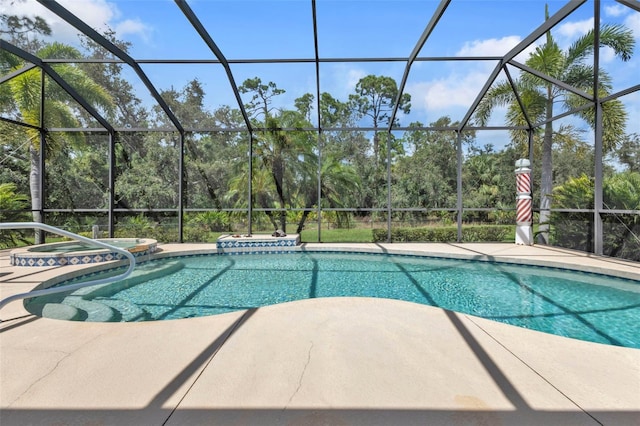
583 306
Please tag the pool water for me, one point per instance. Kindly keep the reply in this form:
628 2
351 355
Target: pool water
579 305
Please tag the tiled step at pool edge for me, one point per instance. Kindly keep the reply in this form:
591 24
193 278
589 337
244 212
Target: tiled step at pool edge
242 244
96 312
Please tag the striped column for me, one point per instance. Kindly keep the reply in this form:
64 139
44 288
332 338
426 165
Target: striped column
524 204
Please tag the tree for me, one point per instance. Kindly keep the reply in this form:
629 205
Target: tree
19 27
206 154
621 191
375 97
427 176
278 151
341 151
629 152
486 180
128 110
338 183
350 146
260 103
539 97
23 31
59 110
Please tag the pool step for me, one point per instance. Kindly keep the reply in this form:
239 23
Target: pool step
94 303
78 309
96 312
57 311
128 312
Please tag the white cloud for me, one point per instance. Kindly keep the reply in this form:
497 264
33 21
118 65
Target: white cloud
633 23
458 90
495 47
133 27
615 10
341 80
444 93
572 30
489 47
98 14
95 13
607 54
353 77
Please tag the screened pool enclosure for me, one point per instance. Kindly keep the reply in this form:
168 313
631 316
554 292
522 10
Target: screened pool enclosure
349 121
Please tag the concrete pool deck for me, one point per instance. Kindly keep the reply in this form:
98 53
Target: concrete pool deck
338 361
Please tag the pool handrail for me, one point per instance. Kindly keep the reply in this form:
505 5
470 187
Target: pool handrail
53 290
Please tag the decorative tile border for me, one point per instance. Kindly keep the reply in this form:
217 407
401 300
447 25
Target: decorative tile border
257 244
24 257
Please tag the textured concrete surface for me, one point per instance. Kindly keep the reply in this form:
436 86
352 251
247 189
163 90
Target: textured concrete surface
337 361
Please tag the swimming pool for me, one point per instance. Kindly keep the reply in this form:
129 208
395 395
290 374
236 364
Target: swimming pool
584 306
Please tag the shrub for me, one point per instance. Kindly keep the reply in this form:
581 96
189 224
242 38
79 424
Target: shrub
11 205
444 234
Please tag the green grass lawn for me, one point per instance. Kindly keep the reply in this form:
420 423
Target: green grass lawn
358 235
352 235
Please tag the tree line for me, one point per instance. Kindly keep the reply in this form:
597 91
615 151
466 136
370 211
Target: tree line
294 171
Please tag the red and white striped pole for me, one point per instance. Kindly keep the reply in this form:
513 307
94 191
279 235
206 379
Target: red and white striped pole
524 204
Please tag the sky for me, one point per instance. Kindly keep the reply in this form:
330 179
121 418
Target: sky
244 29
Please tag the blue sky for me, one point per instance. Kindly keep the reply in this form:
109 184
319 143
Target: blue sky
246 29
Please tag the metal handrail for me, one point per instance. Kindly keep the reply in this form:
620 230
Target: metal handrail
53 290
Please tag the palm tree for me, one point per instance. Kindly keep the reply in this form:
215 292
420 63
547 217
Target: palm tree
539 97
262 188
337 181
58 111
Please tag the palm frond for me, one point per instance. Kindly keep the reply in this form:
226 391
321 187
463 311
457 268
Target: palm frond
498 95
617 37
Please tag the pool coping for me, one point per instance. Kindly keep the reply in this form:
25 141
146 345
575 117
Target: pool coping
512 375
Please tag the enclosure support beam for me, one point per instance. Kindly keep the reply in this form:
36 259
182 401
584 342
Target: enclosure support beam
40 235
181 189
389 135
46 68
517 95
552 80
531 162
459 182
204 34
112 182
84 28
17 73
526 42
633 4
597 190
250 186
435 18
319 117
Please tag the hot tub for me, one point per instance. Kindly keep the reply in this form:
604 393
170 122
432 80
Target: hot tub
77 252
